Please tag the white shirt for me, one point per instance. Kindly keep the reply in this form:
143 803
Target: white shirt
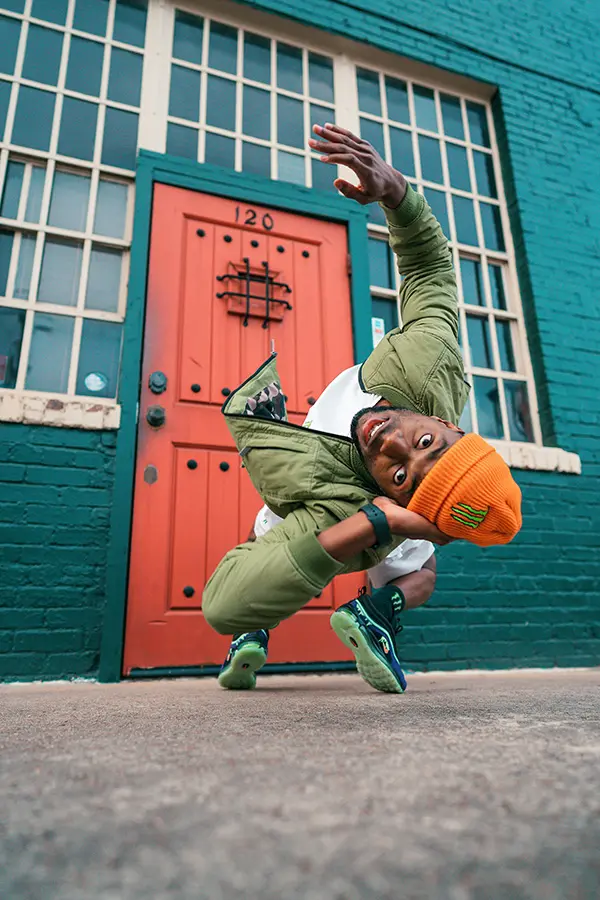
333 412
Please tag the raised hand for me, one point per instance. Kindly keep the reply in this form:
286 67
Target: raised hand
378 180
410 524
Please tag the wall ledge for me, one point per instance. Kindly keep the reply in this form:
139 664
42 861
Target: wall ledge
59 412
541 459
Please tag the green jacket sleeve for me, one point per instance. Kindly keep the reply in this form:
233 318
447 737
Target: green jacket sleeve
419 365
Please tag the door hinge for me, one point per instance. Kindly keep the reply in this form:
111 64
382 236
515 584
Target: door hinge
349 264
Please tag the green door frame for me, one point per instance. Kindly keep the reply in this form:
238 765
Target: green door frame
156 168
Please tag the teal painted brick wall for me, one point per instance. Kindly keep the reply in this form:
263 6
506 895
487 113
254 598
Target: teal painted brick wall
534 603
55 495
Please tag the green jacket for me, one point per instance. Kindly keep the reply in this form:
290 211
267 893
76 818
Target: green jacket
313 479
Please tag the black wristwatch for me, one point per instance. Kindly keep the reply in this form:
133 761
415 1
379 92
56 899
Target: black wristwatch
378 520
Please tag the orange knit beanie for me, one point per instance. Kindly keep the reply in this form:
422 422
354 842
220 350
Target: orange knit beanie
470 494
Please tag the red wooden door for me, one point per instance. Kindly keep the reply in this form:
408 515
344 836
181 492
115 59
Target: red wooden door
193 501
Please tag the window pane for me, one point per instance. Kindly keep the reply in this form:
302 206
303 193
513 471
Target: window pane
111 209
219 150
437 202
319 115
458 167
479 342
402 151
50 353
373 133
505 347
380 269
397 100
484 173
120 138
50 10
257 58
290 121
6 242
99 358
130 22
10 29
256 159
320 77
59 279
184 99
431 159
488 406
33 120
42 56
375 213
452 117
369 99
12 322
220 103
465 420
222 52
104 279
125 82
4 98
322 175
519 414
23 276
182 141
492 226
477 116
291 167
472 282
85 66
69 203
14 5
257 113
36 189
497 287
78 128
187 39
90 16
464 216
289 68
11 194
386 310
425 109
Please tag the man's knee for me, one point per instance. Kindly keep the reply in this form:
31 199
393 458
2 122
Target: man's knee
215 612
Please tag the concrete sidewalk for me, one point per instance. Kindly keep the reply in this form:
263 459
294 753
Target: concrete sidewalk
468 787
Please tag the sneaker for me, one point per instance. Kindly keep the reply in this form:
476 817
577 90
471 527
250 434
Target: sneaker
371 637
247 654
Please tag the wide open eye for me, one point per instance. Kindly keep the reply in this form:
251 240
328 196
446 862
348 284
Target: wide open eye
400 475
425 441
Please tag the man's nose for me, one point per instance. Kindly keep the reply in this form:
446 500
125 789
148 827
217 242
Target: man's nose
395 443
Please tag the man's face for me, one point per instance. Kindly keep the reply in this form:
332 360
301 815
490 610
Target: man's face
400 447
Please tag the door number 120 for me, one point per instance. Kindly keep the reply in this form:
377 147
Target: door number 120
250 218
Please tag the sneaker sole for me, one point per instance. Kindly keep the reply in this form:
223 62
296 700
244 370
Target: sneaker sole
240 674
369 666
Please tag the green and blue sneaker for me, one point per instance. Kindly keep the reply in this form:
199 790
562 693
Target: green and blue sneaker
247 654
367 625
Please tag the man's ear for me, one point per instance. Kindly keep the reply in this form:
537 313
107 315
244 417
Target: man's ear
449 425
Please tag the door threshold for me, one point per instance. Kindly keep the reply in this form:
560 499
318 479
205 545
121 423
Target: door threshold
268 669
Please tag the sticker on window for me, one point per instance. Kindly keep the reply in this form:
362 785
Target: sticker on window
377 329
95 381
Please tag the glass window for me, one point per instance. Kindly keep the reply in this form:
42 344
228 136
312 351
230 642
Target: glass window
220 103
488 406
187 39
425 111
257 58
61 267
472 282
484 173
33 119
104 279
437 202
373 133
289 68
397 100
99 358
256 112
492 226
320 77
120 138
369 98
464 217
84 72
125 81
256 159
322 175
291 167
17 6
25 267
12 322
380 264
4 98
222 50
402 151
69 203
50 353
452 117
111 208
182 141
91 16
10 29
431 159
50 10
184 98
479 342
505 346
42 56
11 195
497 287
458 167
219 150
382 308
519 413
6 243
130 22
36 190
77 135
477 116
290 121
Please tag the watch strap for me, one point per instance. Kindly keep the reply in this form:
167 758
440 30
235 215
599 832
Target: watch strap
378 520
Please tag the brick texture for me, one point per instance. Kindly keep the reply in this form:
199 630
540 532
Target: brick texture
533 603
